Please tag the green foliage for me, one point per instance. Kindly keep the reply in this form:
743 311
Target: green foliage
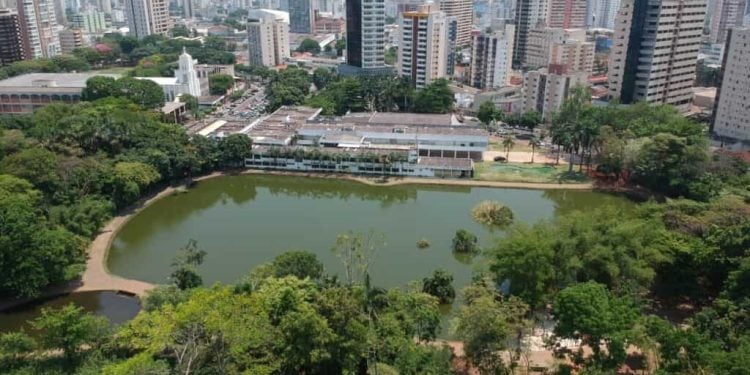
185 274
391 56
191 102
68 329
492 213
57 64
140 91
233 150
219 83
440 285
465 242
436 97
322 77
309 45
301 264
13 347
488 113
288 87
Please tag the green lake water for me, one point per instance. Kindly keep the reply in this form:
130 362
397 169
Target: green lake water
243 221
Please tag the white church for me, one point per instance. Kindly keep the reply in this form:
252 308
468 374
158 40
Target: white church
185 80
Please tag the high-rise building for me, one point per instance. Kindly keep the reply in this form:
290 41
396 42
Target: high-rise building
559 47
39 28
147 17
491 58
90 22
654 51
602 13
71 39
450 68
105 6
187 9
268 37
11 39
731 117
545 90
726 14
301 16
463 10
365 38
567 14
529 14
423 46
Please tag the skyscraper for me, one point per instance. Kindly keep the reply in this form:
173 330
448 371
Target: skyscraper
301 16
731 117
654 51
604 14
529 13
452 23
365 38
463 10
491 58
11 39
268 36
423 46
726 14
39 28
187 9
146 17
567 14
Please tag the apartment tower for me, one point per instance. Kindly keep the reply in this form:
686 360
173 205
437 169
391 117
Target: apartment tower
654 51
365 38
71 39
726 14
731 117
147 17
11 39
567 14
491 58
463 10
268 37
529 14
39 28
301 16
423 46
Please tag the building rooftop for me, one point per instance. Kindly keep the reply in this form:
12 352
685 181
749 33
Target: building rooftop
51 80
161 81
392 118
356 128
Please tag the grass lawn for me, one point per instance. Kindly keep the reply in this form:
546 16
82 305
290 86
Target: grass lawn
521 172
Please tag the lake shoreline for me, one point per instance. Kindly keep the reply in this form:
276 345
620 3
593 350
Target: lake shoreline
97 276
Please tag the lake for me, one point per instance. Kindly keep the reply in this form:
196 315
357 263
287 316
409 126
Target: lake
243 221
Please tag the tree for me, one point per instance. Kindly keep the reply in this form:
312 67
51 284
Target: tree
13 347
140 91
98 87
301 264
191 103
36 164
465 242
185 275
131 179
485 324
589 312
69 329
436 97
180 30
356 251
440 286
487 112
534 142
508 144
492 214
340 46
219 84
309 45
391 55
234 149
322 77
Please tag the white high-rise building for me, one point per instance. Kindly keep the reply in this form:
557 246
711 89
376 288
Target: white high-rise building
463 10
529 14
655 50
545 90
268 37
602 13
146 17
40 28
491 58
365 38
731 110
560 47
423 45
726 14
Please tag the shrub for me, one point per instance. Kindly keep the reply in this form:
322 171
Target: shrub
492 213
465 242
423 243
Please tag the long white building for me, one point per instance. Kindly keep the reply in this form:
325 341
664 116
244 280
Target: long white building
491 58
423 45
732 106
268 37
654 52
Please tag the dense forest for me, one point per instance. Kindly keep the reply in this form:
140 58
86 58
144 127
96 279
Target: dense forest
667 278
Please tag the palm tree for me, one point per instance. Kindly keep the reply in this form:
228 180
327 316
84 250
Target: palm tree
508 144
534 142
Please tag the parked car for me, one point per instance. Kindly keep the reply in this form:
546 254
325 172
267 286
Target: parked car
500 159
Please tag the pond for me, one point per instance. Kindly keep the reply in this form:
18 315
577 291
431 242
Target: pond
243 221
116 307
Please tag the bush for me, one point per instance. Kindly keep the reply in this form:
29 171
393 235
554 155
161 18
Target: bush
465 242
492 213
423 243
